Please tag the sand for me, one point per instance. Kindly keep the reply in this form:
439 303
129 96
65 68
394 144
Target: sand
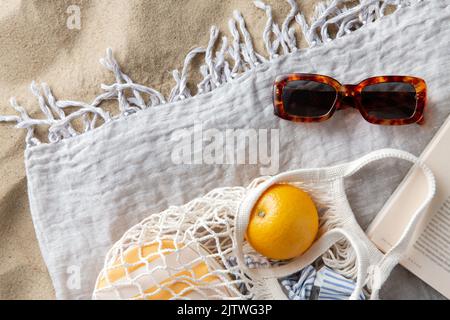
149 38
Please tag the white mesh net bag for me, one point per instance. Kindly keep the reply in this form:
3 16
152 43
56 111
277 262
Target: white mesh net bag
184 252
189 251
198 250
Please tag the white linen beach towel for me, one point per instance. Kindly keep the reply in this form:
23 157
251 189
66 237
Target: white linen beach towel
86 189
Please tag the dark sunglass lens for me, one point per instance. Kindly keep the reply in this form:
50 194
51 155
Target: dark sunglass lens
305 98
390 100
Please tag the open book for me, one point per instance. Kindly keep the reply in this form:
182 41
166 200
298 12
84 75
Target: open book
428 255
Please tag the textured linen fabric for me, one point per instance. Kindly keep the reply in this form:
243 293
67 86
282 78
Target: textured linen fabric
86 191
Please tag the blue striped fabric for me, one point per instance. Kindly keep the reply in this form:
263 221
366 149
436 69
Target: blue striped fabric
326 284
300 285
308 284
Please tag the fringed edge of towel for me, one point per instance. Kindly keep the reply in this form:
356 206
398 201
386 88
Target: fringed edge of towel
232 60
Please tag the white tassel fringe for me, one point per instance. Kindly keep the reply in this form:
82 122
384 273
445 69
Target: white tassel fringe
216 70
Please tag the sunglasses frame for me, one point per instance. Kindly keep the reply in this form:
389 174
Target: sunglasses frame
350 90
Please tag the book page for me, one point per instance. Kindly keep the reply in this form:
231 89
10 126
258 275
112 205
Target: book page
434 241
428 255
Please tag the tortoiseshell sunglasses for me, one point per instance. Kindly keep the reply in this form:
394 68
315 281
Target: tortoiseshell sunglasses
386 100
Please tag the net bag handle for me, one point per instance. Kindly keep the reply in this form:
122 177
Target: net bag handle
380 272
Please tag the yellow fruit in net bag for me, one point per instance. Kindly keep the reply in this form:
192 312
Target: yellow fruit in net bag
283 223
161 271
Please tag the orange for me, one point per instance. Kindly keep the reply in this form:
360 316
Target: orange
283 223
